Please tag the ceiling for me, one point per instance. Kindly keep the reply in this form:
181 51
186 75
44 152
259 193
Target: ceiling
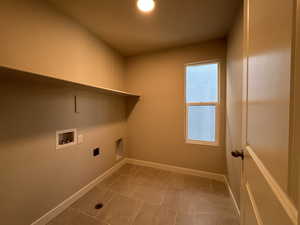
173 23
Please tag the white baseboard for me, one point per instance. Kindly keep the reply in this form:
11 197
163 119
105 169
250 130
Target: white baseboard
182 170
236 206
69 201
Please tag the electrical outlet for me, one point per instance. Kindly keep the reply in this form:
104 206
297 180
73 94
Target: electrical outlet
96 152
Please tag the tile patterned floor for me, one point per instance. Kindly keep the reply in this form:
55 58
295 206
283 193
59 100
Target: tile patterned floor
136 195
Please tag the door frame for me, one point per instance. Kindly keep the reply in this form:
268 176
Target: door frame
244 102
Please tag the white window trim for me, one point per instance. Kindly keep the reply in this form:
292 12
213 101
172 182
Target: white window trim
217 104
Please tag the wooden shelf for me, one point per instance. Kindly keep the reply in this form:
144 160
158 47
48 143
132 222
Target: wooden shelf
101 89
113 91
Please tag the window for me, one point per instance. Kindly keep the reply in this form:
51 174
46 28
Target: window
202 103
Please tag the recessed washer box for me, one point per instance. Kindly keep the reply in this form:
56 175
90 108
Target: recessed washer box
66 138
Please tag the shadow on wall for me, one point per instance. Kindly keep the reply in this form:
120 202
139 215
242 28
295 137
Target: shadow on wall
130 104
32 105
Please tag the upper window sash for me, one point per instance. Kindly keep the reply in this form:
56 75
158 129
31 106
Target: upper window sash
202 82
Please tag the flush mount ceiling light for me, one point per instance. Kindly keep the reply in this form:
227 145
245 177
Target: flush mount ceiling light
146 5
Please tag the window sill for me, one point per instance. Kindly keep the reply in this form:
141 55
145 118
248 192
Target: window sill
204 143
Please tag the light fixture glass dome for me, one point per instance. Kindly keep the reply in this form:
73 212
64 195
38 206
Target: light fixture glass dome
146 5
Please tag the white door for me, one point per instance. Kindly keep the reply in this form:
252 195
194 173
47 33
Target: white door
267 76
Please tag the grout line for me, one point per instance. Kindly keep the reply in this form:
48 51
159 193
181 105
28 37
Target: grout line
176 215
163 197
138 212
85 214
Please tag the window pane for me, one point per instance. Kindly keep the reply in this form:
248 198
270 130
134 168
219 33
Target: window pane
202 83
201 123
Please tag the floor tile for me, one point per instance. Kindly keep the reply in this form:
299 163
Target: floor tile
196 219
72 217
173 201
121 210
107 182
186 201
207 219
219 188
153 177
124 185
154 215
185 219
228 220
149 193
220 203
176 181
198 184
87 203
128 169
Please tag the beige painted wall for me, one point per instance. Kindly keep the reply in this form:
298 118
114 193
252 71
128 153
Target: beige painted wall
156 124
35 177
234 103
35 37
